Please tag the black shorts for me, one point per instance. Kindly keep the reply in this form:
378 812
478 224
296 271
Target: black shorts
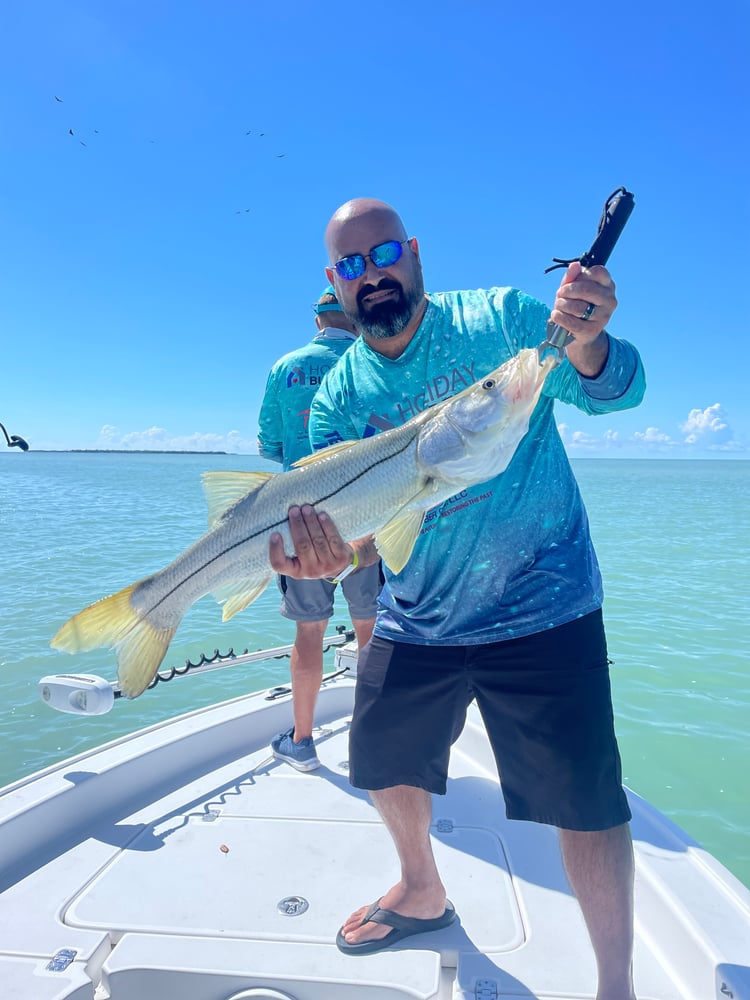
546 704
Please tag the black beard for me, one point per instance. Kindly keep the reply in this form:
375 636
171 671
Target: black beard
386 319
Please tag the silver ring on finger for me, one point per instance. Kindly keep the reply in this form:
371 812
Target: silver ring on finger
589 311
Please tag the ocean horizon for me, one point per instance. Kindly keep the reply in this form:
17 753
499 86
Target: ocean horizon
650 456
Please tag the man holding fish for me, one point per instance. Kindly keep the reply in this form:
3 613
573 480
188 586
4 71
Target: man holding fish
492 589
500 599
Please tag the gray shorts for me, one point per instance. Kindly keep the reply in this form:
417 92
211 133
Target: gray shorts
546 704
312 600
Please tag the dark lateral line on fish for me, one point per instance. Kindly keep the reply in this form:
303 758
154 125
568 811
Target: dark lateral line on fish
277 525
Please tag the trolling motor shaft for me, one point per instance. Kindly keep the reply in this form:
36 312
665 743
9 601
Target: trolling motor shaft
14 440
616 212
87 694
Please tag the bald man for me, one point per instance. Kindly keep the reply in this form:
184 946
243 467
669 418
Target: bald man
501 598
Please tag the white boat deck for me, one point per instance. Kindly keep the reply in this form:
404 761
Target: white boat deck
160 861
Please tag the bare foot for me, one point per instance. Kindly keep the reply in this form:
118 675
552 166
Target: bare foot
426 904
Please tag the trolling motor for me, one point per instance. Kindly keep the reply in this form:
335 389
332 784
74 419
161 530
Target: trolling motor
87 694
616 212
14 441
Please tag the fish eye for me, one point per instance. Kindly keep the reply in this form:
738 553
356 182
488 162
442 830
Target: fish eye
488 383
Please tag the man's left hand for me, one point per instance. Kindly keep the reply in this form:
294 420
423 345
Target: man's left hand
584 305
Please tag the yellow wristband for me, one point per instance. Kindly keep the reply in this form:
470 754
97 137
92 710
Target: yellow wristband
349 569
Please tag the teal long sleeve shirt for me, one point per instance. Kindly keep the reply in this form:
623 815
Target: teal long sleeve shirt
509 557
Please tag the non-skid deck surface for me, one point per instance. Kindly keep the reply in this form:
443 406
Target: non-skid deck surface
224 866
207 867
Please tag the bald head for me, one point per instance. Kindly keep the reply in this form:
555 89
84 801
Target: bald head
357 217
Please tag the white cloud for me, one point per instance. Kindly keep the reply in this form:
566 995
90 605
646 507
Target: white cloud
704 431
653 437
159 439
707 428
583 442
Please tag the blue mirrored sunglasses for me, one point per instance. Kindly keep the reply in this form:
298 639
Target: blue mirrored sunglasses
383 255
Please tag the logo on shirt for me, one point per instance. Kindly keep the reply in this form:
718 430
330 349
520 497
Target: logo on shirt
313 376
435 391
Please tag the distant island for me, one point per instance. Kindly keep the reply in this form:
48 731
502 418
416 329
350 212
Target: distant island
125 451
145 451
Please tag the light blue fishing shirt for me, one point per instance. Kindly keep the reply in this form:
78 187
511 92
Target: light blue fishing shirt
509 557
292 383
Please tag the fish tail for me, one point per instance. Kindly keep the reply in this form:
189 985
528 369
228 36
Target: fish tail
113 622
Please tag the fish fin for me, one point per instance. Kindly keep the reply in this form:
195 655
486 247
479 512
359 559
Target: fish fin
324 453
224 489
233 599
114 623
396 540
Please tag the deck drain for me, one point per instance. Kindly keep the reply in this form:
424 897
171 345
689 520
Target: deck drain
292 906
61 959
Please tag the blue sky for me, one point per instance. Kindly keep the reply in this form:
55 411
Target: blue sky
157 261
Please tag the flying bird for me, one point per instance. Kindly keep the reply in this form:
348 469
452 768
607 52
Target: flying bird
58 99
71 132
279 155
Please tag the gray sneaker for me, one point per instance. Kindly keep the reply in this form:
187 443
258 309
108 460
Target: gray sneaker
300 755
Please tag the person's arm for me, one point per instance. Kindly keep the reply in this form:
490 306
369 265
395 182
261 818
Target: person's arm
270 428
604 374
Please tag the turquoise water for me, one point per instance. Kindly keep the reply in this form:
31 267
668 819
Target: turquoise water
673 539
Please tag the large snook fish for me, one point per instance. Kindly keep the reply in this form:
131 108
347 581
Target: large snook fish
381 486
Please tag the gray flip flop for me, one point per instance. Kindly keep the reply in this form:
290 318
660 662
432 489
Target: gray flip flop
403 927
